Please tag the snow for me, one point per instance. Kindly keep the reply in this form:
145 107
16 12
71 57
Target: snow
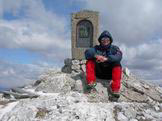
41 93
7 108
122 117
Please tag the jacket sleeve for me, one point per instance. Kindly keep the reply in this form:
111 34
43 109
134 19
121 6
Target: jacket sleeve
90 53
116 55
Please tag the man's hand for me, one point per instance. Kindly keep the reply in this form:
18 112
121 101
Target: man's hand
101 58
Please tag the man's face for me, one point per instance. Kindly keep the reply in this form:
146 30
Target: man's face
105 41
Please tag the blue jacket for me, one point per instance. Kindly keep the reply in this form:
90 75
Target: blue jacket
112 52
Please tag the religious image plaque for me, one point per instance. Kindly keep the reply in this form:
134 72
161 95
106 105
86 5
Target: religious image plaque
84 32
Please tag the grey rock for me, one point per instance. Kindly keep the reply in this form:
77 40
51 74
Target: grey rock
156 108
78 86
68 62
66 69
130 112
159 89
146 86
37 82
142 118
122 117
75 62
59 107
1 96
65 99
19 94
75 67
133 120
132 88
56 83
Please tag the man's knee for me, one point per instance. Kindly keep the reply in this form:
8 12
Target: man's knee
116 78
90 71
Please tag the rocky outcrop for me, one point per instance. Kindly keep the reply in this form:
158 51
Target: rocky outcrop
61 97
55 82
133 89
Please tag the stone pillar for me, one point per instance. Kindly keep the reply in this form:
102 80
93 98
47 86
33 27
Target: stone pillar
84 32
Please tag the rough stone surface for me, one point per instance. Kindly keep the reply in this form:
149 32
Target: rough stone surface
133 89
62 97
68 61
58 83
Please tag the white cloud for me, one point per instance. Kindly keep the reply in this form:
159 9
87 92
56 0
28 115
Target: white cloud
8 72
11 6
136 27
13 75
35 29
1 10
38 30
144 59
132 22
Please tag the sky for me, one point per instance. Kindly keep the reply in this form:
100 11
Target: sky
35 35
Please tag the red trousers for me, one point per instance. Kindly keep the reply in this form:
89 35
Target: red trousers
116 75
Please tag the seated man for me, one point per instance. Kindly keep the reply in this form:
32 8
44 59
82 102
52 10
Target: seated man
103 61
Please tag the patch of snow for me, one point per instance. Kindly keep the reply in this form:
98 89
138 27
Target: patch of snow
7 108
41 93
122 117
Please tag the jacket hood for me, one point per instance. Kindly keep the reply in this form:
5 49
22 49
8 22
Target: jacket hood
105 34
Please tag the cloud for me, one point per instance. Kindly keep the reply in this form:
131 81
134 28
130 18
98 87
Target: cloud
32 27
11 6
144 59
132 22
13 75
39 30
136 27
16 75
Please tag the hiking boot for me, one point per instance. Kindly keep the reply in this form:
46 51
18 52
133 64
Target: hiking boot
113 96
90 88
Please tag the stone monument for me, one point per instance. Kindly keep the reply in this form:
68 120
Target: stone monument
84 32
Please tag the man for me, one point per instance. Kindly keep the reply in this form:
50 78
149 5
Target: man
103 61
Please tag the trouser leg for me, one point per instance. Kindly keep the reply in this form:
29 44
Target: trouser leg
116 78
90 72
